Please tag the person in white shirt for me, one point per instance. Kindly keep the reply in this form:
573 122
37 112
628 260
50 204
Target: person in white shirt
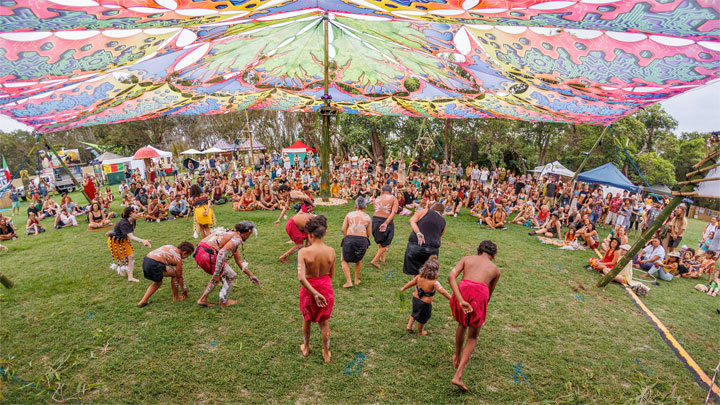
651 257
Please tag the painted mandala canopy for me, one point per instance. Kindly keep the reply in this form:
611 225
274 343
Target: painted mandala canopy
70 63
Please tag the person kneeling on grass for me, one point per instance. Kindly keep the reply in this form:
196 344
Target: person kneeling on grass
470 301
166 261
426 285
316 268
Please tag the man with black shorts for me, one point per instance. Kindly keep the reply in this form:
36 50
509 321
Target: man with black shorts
356 231
383 227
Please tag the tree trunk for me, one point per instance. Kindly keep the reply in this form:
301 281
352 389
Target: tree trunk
378 147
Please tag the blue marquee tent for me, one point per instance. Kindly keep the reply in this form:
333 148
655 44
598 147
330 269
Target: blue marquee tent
608 175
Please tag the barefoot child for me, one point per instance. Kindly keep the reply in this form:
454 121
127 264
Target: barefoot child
469 302
714 287
295 228
316 267
166 261
426 285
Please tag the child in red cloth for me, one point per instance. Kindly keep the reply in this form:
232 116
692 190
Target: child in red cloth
469 302
316 267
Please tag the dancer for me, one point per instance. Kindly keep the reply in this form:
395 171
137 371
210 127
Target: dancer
118 241
356 231
316 268
469 302
204 217
428 227
426 285
383 227
286 196
295 228
166 261
211 254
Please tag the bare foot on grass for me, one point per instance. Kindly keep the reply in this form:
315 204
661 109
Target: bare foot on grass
347 285
228 303
133 279
423 333
455 361
283 259
458 382
375 265
326 355
204 303
305 350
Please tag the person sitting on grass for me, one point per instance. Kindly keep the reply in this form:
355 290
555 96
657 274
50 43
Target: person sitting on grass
217 195
109 194
610 258
426 285
688 267
65 219
652 255
178 206
589 235
550 228
166 261
542 216
7 232
246 201
49 207
525 214
708 263
97 218
497 218
33 226
714 286
705 244
569 238
267 200
156 211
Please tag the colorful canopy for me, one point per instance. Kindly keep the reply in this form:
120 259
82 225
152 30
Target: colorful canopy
69 63
146 152
298 147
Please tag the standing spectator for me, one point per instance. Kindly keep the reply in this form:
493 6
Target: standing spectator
15 200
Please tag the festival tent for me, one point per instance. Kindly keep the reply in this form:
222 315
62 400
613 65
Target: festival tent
297 149
245 145
213 150
69 64
224 145
191 152
107 156
659 189
556 168
608 175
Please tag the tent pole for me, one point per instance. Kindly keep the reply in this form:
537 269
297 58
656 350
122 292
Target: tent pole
640 243
325 144
67 170
582 164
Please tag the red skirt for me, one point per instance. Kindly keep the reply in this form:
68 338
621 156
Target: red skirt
311 312
477 295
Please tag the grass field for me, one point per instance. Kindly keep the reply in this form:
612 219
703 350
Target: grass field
71 329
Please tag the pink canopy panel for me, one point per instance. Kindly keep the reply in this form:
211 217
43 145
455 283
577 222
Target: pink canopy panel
70 63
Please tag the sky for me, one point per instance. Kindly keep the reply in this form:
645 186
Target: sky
695 110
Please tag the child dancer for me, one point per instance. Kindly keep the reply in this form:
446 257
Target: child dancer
426 285
316 267
166 261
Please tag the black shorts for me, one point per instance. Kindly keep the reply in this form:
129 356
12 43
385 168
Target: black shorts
416 256
421 310
354 248
674 243
153 269
383 239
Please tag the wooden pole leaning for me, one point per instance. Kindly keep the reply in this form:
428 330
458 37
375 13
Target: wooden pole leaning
62 162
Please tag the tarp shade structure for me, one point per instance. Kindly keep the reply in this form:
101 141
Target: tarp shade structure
556 168
710 188
213 150
245 145
70 63
190 152
107 156
608 175
660 189
224 145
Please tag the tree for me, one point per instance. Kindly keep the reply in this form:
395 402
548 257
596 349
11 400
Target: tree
658 123
655 169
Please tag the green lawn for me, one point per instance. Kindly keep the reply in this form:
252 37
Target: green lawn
71 328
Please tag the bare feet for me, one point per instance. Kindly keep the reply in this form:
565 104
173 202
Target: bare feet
304 349
410 329
423 333
646 275
204 303
455 361
459 383
326 355
142 304
375 265
382 259
133 279
227 303
180 298
347 285
357 282
283 259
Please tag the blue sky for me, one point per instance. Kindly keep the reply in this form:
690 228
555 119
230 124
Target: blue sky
695 110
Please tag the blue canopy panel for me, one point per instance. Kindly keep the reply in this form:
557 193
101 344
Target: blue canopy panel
608 175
